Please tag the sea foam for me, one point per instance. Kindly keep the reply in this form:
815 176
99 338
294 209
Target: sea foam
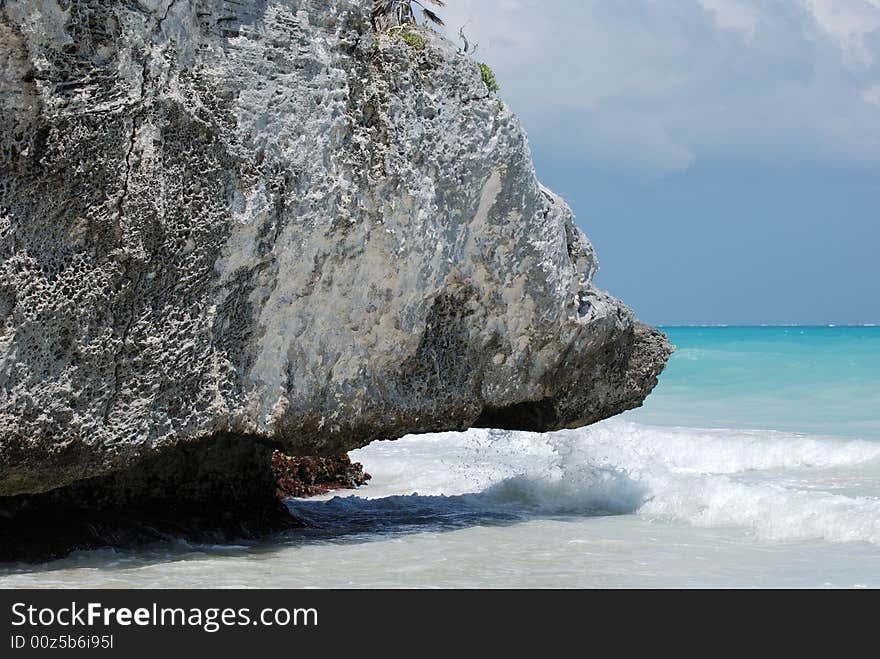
773 485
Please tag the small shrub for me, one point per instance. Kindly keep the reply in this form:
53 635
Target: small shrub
417 41
489 77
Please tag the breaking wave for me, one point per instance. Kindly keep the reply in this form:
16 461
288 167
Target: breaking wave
774 485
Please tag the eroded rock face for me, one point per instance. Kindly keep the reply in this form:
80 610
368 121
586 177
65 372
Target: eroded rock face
252 219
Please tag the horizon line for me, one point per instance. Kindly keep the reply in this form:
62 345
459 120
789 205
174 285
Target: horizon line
768 325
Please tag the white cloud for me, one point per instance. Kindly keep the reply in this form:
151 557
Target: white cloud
733 15
848 23
652 86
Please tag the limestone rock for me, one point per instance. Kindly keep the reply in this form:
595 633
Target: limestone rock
254 219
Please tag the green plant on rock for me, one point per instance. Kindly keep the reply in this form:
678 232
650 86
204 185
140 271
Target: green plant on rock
415 40
489 78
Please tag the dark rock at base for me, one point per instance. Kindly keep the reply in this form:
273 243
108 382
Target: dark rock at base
216 490
312 476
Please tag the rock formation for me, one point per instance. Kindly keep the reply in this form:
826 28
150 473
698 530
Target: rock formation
257 222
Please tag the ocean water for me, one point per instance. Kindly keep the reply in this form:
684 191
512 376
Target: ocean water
756 463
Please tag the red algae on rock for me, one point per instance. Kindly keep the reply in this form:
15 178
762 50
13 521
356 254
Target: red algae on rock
311 476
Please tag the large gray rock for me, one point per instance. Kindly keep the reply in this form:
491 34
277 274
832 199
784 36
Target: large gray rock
255 220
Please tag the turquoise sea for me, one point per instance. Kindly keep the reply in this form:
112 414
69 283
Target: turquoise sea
756 462
805 379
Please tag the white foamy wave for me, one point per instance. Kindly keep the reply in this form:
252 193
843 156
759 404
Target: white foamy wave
772 484
767 511
589 491
731 478
692 450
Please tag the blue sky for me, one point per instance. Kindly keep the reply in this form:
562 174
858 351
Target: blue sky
722 155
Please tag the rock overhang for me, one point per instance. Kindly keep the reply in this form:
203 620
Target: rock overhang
259 221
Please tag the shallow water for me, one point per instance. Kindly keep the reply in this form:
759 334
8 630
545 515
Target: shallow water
652 498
